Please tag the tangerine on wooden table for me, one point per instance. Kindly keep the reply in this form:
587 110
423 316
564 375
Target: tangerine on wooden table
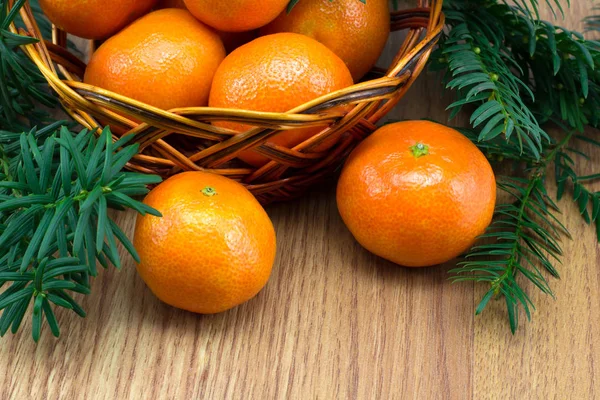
94 19
166 59
355 31
416 193
236 15
213 248
277 73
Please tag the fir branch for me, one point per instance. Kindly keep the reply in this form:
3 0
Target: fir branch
525 234
482 71
499 150
567 89
558 69
55 189
531 8
587 201
592 23
528 8
22 87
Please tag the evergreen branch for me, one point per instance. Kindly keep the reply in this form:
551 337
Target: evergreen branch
527 8
567 89
53 218
497 149
525 234
592 23
482 71
22 87
587 201
558 70
531 8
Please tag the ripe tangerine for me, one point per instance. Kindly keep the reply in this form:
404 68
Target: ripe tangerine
213 248
355 31
231 40
416 193
236 15
94 19
277 73
166 59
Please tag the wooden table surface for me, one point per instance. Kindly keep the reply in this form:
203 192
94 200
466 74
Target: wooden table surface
334 322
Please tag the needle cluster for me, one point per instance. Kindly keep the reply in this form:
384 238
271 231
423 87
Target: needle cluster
56 187
519 76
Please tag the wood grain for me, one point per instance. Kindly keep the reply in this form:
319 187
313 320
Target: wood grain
334 322
557 355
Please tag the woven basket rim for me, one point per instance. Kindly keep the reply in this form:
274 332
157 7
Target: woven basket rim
367 101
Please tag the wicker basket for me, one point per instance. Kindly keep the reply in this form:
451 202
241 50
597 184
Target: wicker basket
184 139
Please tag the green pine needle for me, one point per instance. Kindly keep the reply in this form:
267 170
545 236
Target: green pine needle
55 188
523 239
519 74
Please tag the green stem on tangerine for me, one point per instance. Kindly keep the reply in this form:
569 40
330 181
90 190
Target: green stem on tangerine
419 150
209 191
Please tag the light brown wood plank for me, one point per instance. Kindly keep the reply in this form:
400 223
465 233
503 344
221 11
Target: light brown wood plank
555 355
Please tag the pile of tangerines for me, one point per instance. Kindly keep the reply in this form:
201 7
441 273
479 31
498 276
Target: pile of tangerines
416 193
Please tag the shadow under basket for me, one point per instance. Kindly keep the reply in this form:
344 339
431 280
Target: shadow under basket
185 140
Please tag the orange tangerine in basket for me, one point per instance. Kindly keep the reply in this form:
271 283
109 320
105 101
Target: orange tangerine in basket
94 19
354 30
166 59
231 40
236 15
277 73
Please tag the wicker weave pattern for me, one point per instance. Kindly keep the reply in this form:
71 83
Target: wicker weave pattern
184 139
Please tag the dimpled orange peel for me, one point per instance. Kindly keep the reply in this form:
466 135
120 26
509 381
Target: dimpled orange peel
277 73
213 248
416 193
236 15
165 59
94 19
